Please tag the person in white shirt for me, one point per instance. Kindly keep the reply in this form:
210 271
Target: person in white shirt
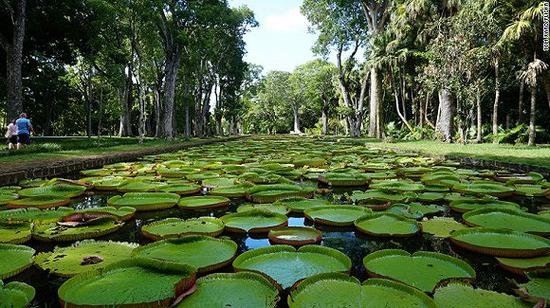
11 135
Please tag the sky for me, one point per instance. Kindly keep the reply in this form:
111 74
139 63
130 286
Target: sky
281 41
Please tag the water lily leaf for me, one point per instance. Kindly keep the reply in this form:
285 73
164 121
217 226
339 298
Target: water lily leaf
16 294
538 286
458 295
14 259
294 236
151 201
489 188
299 205
422 270
344 179
511 219
366 197
275 208
6 197
123 213
17 216
463 206
286 265
40 202
176 227
336 215
203 202
15 233
387 224
274 192
441 226
520 266
234 191
253 221
182 189
398 186
58 190
53 232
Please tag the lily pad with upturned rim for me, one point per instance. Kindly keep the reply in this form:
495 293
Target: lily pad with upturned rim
123 213
40 202
203 202
58 190
285 265
244 289
520 266
56 233
253 221
441 226
83 256
344 179
339 290
387 224
459 295
234 191
176 227
270 207
273 192
204 253
538 286
510 219
133 282
17 216
463 206
493 189
15 233
294 236
299 205
422 270
501 242
182 189
398 186
336 215
6 197
148 201
14 259
16 294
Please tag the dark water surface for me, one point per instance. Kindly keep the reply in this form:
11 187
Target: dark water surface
353 244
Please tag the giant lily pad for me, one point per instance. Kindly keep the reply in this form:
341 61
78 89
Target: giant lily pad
16 294
423 269
182 189
273 192
339 290
123 213
294 236
463 206
398 186
83 257
14 259
286 265
501 242
203 202
17 216
15 233
299 205
109 183
176 227
538 286
336 215
344 179
414 210
6 197
134 282
387 224
233 290
489 188
519 266
58 190
140 186
55 232
275 207
511 219
253 221
441 226
41 202
531 190
234 191
204 253
372 195
145 201
458 295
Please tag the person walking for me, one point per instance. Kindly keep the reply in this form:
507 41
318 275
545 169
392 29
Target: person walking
11 135
24 129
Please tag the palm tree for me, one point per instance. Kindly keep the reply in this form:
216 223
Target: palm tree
530 76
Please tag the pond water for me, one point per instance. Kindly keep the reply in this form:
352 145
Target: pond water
353 243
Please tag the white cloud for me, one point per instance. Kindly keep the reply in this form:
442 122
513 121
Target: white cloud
292 20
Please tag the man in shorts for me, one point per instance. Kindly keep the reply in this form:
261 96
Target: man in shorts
24 129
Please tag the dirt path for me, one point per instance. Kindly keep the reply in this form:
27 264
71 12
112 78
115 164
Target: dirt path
12 173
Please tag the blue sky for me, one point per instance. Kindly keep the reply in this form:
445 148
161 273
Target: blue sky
282 41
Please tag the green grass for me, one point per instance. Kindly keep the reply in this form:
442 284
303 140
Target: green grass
519 154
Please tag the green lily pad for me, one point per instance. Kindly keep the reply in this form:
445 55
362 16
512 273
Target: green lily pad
109 183
133 282
15 233
243 289
234 191
294 236
299 205
59 190
275 208
219 182
83 257
401 266
145 201
203 202
538 286
362 197
441 226
41 202
431 196
56 233
458 295
493 189
286 265
176 227
6 197
123 213
141 186
510 219
204 253
387 224
531 190
14 259
463 206
336 215
344 179
414 210
501 242
253 221
16 294
339 290
398 186
16 216
274 192
519 266
182 189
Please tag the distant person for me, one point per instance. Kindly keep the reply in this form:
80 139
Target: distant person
11 135
24 129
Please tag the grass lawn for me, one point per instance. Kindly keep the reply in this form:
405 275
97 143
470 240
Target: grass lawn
519 154
59 148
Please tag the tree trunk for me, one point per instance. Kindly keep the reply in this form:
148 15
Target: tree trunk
445 120
324 117
546 86
479 137
125 128
375 129
296 120
496 102
158 112
520 102
187 122
532 116
100 113
171 72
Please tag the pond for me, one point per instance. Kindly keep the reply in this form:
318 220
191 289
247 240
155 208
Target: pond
410 188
